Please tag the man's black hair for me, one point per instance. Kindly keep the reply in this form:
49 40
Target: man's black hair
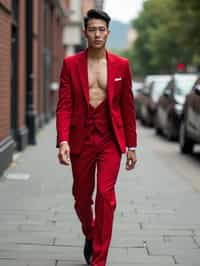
96 14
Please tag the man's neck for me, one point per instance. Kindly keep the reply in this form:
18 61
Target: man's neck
96 54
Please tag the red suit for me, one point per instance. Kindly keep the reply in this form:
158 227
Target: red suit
97 137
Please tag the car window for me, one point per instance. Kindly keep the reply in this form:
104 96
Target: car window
146 89
184 85
197 84
137 88
158 89
196 88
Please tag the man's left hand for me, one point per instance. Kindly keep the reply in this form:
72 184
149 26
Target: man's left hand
131 160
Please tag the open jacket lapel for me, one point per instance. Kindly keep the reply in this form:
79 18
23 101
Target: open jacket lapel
111 67
83 74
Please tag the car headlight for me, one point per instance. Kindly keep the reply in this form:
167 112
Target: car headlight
178 108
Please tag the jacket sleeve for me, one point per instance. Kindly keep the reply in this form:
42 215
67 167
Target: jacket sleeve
128 108
64 104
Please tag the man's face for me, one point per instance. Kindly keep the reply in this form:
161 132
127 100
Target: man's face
96 33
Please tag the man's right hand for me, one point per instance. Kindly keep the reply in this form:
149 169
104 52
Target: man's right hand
64 153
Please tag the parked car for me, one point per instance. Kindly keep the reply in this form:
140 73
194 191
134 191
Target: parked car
170 104
190 124
139 100
144 95
137 89
149 104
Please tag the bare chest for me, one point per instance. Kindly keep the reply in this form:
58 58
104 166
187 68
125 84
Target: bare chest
97 75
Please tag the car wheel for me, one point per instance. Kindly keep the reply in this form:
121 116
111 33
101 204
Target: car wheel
169 130
186 144
158 130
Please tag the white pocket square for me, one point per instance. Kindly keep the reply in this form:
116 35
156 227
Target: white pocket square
117 79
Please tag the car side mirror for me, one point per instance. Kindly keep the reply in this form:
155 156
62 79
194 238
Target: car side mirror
167 93
197 89
146 93
136 92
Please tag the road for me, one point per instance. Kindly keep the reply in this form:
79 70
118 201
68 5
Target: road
157 220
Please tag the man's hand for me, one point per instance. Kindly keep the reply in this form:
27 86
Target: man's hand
64 154
130 160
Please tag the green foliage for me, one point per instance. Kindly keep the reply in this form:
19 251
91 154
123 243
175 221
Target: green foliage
189 34
167 35
125 53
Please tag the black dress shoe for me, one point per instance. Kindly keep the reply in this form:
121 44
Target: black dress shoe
87 251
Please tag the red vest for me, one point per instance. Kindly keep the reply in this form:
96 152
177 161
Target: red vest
99 123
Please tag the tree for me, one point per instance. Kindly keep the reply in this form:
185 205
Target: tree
189 35
142 56
162 42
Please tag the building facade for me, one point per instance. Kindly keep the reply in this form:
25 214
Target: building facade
73 38
31 50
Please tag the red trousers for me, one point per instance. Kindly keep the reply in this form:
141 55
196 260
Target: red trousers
99 158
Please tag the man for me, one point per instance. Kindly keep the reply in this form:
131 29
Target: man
95 123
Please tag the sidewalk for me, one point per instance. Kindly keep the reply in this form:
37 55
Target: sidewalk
157 220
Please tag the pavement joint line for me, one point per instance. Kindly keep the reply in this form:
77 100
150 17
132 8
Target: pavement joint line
32 211
2 258
163 255
126 251
55 213
52 221
165 238
146 248
121 247
193 232
140 225
19 228
195 241
68 246
135 210
32 244
165 235
72 246
176 229
48 245
174 259
54 241
132 202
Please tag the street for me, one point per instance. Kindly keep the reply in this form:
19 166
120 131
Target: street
157 219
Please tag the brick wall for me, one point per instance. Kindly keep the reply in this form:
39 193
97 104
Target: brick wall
47 32
87 4
40 55
36 7
22 66
5 71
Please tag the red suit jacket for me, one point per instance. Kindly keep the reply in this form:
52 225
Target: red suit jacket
73 101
